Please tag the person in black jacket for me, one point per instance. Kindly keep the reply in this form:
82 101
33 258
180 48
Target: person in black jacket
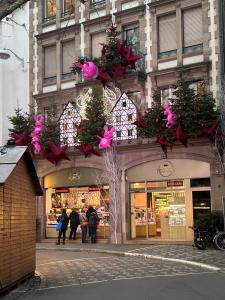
63 218
92 222
89 211
74 222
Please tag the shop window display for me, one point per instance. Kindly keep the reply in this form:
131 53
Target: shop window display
80 199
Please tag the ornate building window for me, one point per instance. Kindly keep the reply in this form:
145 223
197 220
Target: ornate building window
124 114
67 7
50 10
68 121
131 36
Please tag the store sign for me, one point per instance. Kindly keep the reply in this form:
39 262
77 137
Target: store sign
62 191
95 188
175 183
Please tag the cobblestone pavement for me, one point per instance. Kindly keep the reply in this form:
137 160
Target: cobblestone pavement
24 290
209 256
107 268
79 264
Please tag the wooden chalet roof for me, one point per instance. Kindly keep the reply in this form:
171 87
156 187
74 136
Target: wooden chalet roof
9 157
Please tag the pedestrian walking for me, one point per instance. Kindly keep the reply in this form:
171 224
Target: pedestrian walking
83 225
64 220
92 221
74 222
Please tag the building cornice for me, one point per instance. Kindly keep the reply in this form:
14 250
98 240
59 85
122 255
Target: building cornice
180 69
134 10
59 31
104 19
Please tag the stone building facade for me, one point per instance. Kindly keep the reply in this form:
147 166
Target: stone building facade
178 39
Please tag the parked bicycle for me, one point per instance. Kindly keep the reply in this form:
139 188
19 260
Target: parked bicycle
203 237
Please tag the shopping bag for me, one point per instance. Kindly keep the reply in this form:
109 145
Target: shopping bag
59 226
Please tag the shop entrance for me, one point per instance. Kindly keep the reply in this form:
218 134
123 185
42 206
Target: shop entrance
201 204
159 213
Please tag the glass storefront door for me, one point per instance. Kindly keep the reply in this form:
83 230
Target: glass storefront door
158 214
138 215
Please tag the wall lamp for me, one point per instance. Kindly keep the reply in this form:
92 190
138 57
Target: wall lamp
5 55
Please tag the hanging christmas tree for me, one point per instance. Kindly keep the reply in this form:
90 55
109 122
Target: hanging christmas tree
95 118
116 58
51 133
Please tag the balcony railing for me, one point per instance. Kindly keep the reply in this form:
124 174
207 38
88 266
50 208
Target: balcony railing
49 18
95 3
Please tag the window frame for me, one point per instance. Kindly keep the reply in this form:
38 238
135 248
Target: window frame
195 47
165 54
68 74
95 3
129 28
69 11
48 18
51 78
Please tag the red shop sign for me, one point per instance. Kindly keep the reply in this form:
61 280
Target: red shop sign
175 183
95 188
62 191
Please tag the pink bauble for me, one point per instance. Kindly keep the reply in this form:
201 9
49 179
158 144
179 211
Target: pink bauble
89 69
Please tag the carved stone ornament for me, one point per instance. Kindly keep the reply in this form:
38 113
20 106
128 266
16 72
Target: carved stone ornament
166 168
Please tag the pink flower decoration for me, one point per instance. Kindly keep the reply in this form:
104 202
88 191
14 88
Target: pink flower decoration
105 142
35 134
170 115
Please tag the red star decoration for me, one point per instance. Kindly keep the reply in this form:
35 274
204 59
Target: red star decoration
180 135
87 150
21 139
55 154
103 76
119 70
211 130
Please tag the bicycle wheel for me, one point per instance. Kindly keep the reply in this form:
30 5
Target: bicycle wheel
200 243
220 241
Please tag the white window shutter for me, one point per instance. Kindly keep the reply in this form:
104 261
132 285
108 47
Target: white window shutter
96 40
68 56
192 21
167 33
50 61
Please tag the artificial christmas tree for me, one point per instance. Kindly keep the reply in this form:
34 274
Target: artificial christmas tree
116 58
21 122
51 130
95 118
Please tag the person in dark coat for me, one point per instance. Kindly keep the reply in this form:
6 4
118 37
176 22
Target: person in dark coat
92 221
89 211
74 222
65 220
